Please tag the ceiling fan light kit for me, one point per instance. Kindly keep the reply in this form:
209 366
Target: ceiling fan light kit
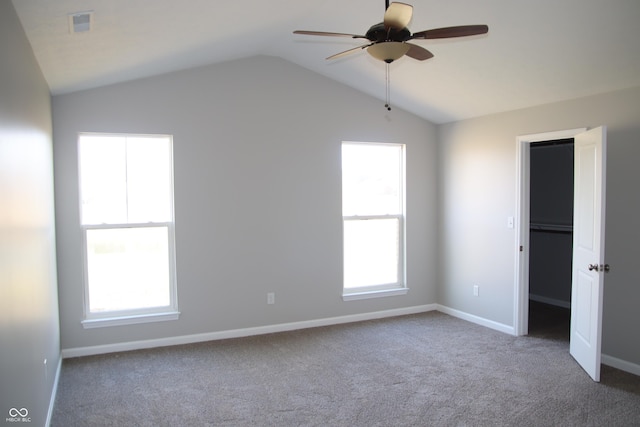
388 51
389 40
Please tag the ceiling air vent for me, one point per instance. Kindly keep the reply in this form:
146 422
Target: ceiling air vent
80 22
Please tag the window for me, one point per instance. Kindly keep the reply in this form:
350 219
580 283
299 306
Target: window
126 215
373 219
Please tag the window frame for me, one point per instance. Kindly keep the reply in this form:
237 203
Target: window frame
384 289
135 315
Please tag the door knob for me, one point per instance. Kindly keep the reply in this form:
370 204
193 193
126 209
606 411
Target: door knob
602 267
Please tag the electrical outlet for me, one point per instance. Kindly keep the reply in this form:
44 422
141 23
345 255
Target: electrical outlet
476 290
271 298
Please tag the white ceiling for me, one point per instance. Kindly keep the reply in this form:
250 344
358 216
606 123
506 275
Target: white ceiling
536 51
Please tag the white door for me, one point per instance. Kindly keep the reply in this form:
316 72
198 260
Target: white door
588 249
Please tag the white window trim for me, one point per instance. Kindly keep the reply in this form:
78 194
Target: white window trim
380 293
129 320
384 289
141 315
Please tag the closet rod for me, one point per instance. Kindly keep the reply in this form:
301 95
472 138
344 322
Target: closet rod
551 228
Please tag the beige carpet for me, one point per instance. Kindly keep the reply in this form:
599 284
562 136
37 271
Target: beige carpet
421 370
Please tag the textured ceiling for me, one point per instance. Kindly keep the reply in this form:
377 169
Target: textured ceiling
536 51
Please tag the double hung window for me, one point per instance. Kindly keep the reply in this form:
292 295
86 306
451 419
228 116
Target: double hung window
373 218
126 216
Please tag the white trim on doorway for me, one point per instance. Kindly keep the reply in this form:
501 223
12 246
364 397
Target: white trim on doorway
521 291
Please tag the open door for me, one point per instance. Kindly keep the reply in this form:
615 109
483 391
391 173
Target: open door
588 250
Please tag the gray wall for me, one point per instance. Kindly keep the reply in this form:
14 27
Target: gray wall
257 193
29 331
477 192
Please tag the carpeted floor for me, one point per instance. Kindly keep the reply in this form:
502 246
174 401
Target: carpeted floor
421 370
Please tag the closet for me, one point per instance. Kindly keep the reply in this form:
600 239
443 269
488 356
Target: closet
551 234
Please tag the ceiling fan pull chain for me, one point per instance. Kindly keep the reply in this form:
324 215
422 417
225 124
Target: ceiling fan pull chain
388 88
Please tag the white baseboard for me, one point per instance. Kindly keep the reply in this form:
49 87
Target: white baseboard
54 392
238 333
477 320
551 301
614 362
623 365
283 327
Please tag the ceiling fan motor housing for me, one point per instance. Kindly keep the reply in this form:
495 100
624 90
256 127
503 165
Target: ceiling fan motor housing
379 33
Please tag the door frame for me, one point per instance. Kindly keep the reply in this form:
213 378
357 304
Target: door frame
523 203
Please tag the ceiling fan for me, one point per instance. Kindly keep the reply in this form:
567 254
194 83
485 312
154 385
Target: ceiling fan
389 40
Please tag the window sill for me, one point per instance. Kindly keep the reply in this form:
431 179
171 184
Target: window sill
130 320
352 296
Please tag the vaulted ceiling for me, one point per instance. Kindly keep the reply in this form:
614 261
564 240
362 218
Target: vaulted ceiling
536 51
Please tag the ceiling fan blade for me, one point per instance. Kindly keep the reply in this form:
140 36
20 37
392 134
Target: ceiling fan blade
347 52
418 52
447 32
324 33
398 15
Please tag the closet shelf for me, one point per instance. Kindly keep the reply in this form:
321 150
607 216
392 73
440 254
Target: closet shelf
554 228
